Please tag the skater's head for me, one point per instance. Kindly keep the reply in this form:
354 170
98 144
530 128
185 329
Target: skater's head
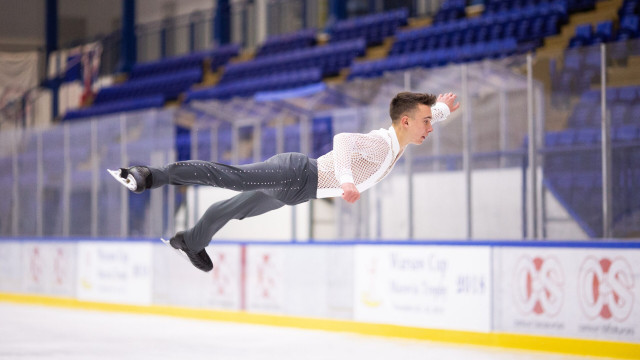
411 116
406 103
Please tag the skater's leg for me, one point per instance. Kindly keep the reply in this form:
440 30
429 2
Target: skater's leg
243 205
292 176
275 173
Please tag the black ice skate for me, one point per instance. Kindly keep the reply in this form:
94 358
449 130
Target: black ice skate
135 178
199 259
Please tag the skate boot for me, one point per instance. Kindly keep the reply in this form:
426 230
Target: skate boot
135 178
199 259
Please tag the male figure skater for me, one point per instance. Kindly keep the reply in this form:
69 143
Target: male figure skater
356 163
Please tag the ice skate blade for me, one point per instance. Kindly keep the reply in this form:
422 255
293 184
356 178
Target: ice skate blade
129 182
178 251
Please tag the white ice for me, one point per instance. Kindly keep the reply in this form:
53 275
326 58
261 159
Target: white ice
38 332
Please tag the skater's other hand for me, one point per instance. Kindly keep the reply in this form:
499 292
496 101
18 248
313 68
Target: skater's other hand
350 192
449 99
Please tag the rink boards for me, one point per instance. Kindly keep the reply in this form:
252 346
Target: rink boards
578 291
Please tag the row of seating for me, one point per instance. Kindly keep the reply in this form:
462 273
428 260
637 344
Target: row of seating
527 25
604 32
217 56
116 106
432 58
582 60
288 42
624 94
330 58
590 136
629 7
170 86
291 140
248 87
494 6
582 65
373 28
321 141
573 172
590 114
450 10
151 83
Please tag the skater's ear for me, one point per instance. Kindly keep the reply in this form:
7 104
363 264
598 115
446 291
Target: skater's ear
404 120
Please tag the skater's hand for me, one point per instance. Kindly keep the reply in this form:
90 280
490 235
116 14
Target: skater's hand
350 192
449 99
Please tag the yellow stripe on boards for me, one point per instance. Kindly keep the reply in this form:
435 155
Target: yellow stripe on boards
514 341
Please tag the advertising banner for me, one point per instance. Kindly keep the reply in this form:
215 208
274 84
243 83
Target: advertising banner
222 286
300 280
49 268
569 292
443 287
265 278
177 282
116 271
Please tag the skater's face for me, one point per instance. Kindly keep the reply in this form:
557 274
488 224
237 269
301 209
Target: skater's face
418 124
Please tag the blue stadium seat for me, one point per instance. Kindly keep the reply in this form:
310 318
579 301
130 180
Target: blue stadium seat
629 7
170 86
581 115
573 61
268 142
292 138
450 10
217 56
603 33
634 114
560 138
552 25
625 133
583 36
372 28
248 87
282 43
116 106
619 113
587 136
224 144
329 58
629 28
629 94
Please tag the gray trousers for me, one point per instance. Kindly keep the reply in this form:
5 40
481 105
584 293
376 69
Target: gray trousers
284 179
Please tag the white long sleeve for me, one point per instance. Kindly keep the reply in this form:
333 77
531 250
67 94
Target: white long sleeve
439 112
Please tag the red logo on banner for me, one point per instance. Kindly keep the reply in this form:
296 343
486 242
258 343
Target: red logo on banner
266 277
538 285
59 266
36 264
221 277
605 288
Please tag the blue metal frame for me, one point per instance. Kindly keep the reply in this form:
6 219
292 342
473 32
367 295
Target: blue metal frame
604 244
128 48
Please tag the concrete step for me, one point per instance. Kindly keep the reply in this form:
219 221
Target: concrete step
605 10
338 79
625 75
378 52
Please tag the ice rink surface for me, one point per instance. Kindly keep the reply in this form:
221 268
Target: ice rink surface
38 332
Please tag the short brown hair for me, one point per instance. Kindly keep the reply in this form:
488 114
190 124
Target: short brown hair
405 102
